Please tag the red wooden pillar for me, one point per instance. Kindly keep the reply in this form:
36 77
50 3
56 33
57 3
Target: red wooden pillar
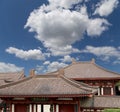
0 109
79 106
95 110
54 107
10 108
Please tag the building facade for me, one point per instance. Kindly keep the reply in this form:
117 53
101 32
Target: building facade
79 87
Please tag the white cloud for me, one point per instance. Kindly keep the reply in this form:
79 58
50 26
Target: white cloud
116 62
55 66
97 26
106 7
67 58
119 47
46 63
26 55
63 3
39 69
50 66
8 67
61 51
58 27
105 52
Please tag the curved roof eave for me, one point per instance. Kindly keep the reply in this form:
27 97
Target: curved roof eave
78 70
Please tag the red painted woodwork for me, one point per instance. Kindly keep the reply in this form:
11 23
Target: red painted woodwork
20 108
107 90
66 108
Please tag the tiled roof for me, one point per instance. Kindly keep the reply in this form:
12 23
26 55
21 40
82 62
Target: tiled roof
46 85
101 102
88 70
6 78
107 101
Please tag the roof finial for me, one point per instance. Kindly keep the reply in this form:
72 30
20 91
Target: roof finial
61 71
32 72
93 60
73 61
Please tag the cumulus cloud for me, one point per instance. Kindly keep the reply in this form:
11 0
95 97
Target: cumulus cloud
117 61
39 69
106 7
8 67
66 58
50 66
97 26
26 55
61 51
63 3
59 25
46 63
55 66
105 52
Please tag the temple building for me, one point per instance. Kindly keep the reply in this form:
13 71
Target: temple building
6 78
79 87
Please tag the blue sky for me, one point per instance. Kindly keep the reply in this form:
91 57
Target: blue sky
46 35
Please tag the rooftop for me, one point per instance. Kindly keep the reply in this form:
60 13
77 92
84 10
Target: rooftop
46 85
6 78
88 71
101 102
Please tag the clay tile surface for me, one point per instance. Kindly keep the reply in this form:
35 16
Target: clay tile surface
6 78
40 85
107 101
101 102
88 70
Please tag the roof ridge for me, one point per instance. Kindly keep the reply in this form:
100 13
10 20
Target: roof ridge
76 84
93 62
70 65
89 62
65 78
105 69
22 71
16 82
45 76
21 75
84 84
